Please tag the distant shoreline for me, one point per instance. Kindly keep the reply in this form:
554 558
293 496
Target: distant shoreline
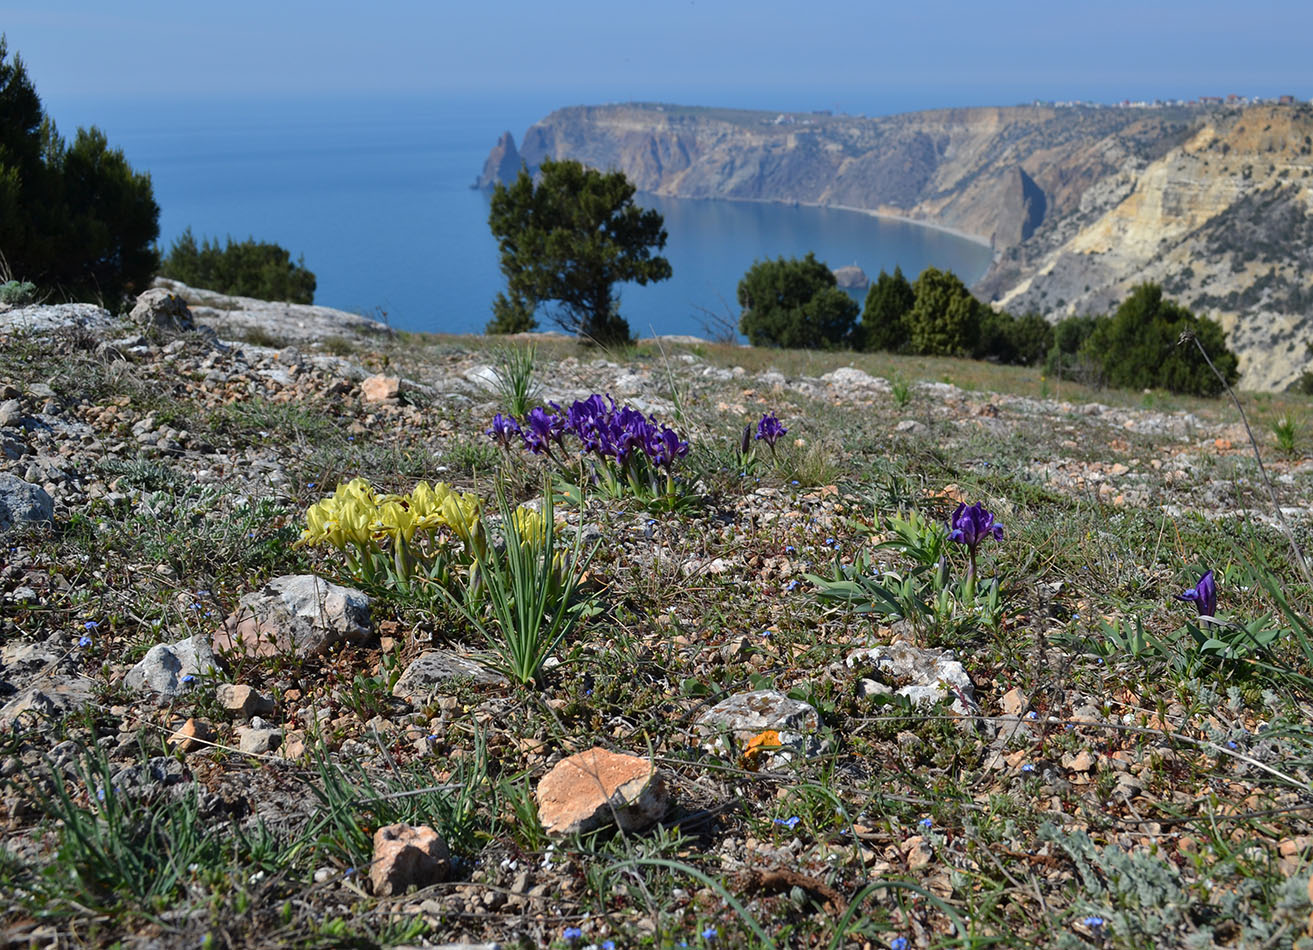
885 215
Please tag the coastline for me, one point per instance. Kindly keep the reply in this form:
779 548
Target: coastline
883 215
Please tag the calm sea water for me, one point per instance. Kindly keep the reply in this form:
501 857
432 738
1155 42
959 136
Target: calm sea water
376 196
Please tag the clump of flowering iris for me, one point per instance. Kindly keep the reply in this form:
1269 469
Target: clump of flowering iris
627 451
1203 595
397 536
970 526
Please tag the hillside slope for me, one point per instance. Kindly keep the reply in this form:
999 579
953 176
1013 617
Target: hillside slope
1079 203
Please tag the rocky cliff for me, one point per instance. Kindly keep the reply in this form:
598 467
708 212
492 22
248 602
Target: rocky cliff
1079 203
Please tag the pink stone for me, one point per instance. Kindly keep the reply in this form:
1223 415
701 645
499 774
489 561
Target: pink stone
406 855
596 788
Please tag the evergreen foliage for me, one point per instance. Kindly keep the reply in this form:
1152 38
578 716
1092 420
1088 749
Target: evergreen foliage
1068 357
1016 341
511 314
248 269
884 317
1141 346
75 220
795 303
945 319
569 239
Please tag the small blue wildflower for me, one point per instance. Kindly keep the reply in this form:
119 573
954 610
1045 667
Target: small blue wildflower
1032 715
1094 923
765 633
898 943
1028 767
788 822
433 737
608 945
188 679
573 933
1231 744
310 485
348 872
84 642
91 625
788 549
794 482
709 933
195 605
926 823
793 585
100 794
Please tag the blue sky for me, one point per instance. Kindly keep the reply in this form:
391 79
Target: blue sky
854 56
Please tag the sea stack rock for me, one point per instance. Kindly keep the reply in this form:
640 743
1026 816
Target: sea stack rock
503 163
851 277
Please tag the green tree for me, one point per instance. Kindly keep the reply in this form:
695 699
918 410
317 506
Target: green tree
795 303
511 315
249 269
1015 341
1142 346
884 317
75 220
569 239
945 319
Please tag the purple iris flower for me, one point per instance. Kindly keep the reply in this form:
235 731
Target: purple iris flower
671 447
504 429
541 428
769 430
972 525
1204 595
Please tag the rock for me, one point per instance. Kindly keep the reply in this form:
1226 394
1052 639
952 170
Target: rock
258 738
380 388
746 715
596 788
161 309
849 377
234 316
911 427
1082 761
241 700
925 676
425 675
297 614
170 669
11 413
49 698
21 502
192 736
63 316
918 851
851 277
144 778
503 163
406 856
1014 702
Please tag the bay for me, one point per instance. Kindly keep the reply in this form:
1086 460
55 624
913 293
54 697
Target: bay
376 196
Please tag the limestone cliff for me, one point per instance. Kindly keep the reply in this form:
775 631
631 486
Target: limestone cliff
1079 203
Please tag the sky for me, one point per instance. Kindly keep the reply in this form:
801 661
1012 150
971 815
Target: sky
860 56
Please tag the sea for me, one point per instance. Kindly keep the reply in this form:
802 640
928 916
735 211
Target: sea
375 194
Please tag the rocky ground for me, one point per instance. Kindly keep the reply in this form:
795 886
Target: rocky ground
208 734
